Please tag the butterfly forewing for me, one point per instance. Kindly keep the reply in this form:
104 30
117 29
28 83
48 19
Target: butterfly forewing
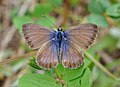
36 35
47 56
72 56
83 35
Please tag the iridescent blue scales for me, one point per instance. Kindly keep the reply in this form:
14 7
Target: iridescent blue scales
60 46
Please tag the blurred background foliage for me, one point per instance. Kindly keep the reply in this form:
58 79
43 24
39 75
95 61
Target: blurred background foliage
18 67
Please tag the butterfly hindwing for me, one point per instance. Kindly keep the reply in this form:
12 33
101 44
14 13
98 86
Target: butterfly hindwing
36 35
83 35
47 55
72 55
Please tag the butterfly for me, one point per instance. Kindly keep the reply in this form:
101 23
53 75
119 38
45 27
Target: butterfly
60 46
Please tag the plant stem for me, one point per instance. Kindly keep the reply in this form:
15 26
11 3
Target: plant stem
57 74
17 58
66 11
59 78
98 64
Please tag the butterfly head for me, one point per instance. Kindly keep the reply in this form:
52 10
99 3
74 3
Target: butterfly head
59 29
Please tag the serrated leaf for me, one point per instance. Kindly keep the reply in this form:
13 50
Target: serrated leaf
19 21
36 80
85 79
98 20
114 10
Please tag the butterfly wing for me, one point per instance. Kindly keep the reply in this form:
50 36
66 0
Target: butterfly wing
82 35
72 56
47 56
36 35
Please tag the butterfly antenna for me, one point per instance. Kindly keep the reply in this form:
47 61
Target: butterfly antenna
73 23
49 20
47 17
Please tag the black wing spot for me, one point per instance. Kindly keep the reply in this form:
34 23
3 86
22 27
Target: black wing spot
29 42
26 37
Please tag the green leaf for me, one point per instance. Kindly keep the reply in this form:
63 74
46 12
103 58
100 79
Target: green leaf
60 70
70 74
98 20
105 3
74 83
114 10
96 6
40 9
55 3
26 47
87 62
33 64
85 79
45 22
82 81
74 2
36 80
50 72
19 21
59 85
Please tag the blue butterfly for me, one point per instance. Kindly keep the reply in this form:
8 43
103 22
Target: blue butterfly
60 46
